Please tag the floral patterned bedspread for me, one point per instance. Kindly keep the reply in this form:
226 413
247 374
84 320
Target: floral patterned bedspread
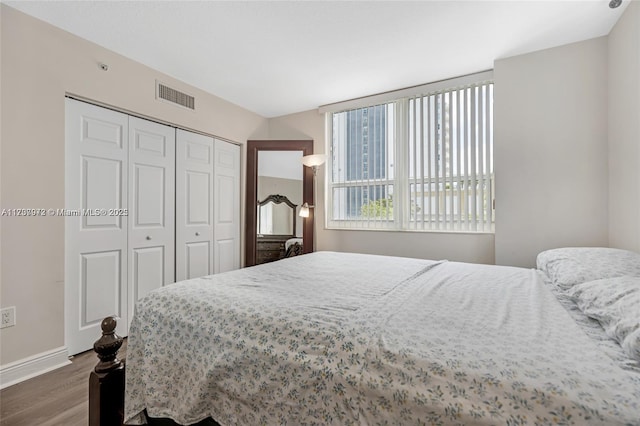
339 338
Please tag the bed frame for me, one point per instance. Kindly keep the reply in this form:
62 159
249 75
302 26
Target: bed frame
106 383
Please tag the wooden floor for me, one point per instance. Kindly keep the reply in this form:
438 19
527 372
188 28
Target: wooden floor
57 398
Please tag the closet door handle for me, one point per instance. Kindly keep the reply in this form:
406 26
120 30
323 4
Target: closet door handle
197 234
148 237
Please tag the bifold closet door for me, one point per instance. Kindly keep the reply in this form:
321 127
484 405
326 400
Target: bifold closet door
96 191
120 239
146 205
226 248
151 236
194 205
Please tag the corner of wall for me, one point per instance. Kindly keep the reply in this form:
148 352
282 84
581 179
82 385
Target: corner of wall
302 125
624 130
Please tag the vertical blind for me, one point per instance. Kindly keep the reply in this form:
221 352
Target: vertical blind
419 163
450 153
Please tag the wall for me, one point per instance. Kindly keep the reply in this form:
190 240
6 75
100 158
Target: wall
624 130
40 64
476 248
551 151
567 157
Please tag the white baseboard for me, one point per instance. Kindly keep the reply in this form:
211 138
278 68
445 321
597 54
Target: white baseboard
21 370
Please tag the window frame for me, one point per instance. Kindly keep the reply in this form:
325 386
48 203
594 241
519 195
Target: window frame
401 180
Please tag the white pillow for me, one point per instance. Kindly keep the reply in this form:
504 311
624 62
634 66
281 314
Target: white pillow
573 265
615 303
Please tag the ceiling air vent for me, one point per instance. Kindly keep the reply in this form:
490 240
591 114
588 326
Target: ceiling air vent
174 96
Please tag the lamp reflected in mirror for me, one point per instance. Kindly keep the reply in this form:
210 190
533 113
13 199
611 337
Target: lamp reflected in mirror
304 210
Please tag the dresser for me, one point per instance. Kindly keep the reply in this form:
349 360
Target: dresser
270 248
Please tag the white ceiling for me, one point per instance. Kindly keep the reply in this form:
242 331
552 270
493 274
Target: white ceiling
281 57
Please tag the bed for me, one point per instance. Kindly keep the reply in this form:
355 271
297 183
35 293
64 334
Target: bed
342 338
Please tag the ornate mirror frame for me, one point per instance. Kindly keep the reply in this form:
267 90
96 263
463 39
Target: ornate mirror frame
253 148
279 199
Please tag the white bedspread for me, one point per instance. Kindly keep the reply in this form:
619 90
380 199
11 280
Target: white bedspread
337 338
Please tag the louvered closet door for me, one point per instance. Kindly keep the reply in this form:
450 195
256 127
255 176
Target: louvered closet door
226 207
95 239
151 207
194 205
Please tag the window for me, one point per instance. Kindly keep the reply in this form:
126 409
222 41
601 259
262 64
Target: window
422 162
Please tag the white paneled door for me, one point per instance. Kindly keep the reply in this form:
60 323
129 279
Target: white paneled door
194 205
226 216
143 204
151 205
95 226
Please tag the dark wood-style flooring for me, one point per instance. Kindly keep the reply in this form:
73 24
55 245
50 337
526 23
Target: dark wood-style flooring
57 398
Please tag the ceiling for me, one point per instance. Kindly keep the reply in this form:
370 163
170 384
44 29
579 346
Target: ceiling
281 57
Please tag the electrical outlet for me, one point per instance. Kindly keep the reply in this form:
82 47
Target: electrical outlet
8 317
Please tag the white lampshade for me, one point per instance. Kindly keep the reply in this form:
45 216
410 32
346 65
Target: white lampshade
314 160
304 210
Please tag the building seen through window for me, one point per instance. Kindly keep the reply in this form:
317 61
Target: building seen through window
419 163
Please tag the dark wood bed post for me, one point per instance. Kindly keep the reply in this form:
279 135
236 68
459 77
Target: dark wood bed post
106 382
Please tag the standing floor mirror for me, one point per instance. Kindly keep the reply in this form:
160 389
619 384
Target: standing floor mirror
277 185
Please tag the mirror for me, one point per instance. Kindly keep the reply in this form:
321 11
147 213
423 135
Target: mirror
277 214
277 185
280 173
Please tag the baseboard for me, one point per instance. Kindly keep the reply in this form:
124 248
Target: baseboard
21 370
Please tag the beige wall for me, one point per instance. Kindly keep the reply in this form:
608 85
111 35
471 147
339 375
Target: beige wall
40 64
624 130
564 147
551 151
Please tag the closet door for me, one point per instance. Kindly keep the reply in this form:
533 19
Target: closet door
151 207
194 205
95 231
226 246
